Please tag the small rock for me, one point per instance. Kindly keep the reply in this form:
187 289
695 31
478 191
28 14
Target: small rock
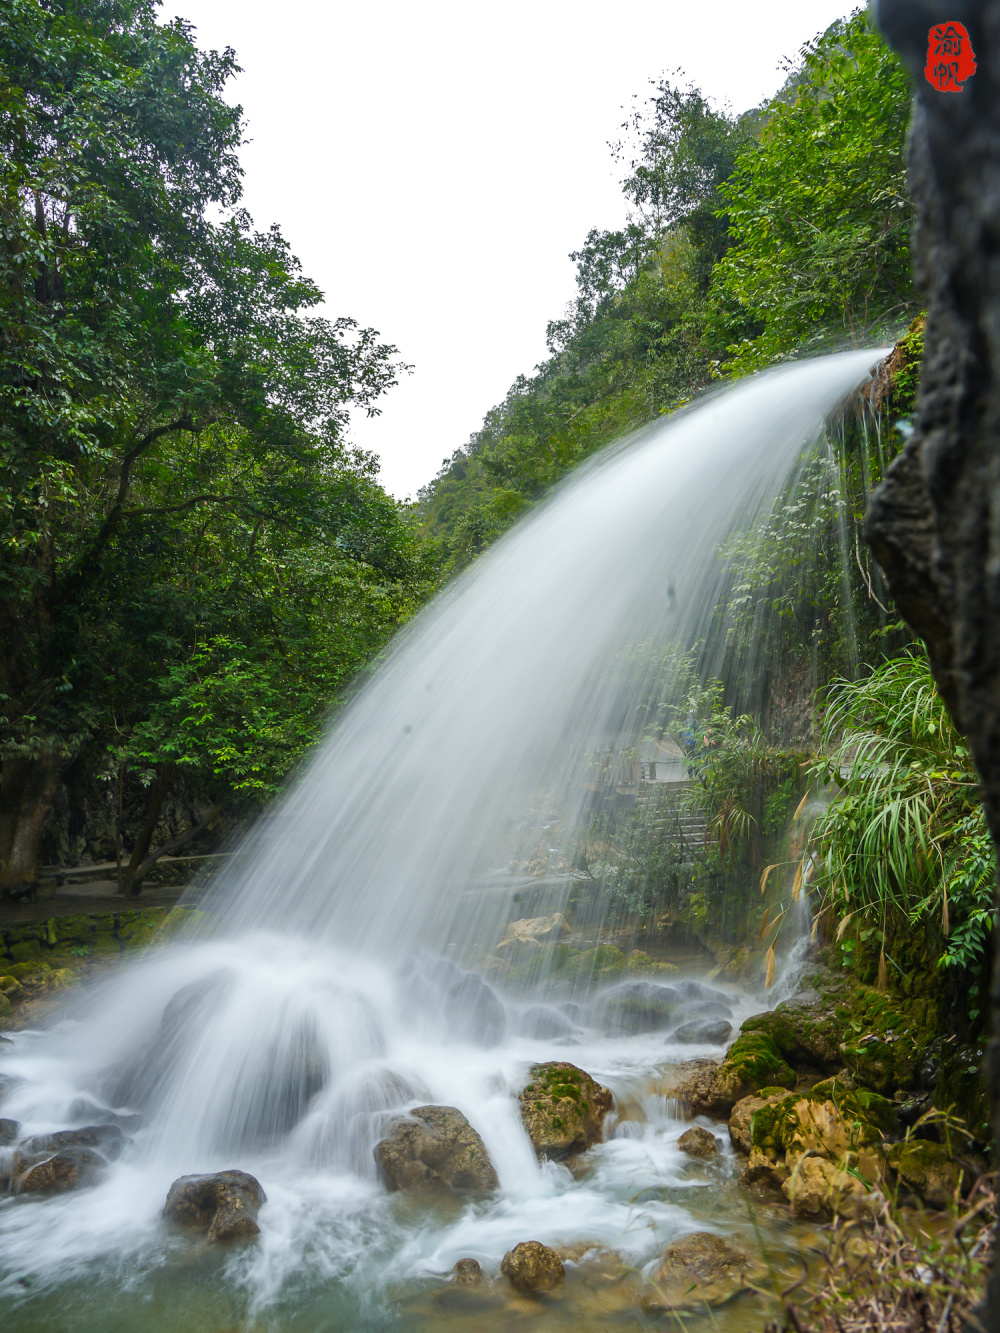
563 1109
71 1169
698 1142
700 1269
532 1266
708 1031
535 930
9 1130
707 1009
467 1273
435 1148
225 1205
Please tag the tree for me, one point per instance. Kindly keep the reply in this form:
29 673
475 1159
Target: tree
818 206
159 374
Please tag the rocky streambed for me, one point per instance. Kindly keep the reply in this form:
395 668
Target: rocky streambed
661 1149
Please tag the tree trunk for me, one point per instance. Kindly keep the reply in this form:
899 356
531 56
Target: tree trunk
934 524
27 790
128 884
174 845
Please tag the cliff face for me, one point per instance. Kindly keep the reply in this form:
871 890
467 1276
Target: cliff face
934 525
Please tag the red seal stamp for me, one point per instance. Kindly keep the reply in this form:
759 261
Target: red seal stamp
950 57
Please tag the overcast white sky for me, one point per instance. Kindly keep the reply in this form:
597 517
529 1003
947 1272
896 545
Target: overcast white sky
433 164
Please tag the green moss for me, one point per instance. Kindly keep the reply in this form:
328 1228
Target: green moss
757 1062
25 951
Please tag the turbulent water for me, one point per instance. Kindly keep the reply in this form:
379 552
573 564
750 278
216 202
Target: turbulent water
337 986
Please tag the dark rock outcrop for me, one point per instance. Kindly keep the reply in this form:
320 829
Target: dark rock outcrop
532 1266
563 1109
434 1148
223 1205
467 1273
932 1172
108 1140
9 1130
934 522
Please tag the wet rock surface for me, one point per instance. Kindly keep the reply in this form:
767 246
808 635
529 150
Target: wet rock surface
223 1205
467 1273
108 1140
432 1149
70 1169
9 1130
698 1142
563 1109
698 1270
705 1031
532 1266
637 1006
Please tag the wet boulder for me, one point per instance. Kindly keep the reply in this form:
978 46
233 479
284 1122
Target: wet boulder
699 1142
704 1032
70 1169
9 1130
223 1205
108 1140
532 1266
542 1022
535 930
637 1006
698 1270
432 1149
563 1109
696 992
742 1117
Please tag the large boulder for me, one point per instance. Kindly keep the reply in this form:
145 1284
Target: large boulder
637 1006
532 1266
751 1063
70 1169
434 1148
224 1205
825 1148
742 1117
475 1012
698 1270
563 1109
9 1130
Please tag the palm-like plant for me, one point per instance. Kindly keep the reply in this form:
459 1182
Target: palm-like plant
905 841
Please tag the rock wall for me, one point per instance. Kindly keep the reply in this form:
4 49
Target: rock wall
934 525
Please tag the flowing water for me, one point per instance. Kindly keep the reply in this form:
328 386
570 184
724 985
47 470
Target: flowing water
339 976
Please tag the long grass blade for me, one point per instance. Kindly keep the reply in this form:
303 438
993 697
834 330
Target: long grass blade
763 878
800 807
769 968
883 981
764 923
843 925
797 883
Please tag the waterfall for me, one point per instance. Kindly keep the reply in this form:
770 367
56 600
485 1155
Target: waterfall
336 980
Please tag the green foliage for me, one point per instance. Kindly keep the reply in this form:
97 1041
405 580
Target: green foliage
175 484
819 206
905 842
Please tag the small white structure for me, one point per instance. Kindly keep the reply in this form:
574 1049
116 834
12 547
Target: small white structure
662 761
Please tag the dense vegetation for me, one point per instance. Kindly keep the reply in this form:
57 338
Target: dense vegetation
195 561
749 237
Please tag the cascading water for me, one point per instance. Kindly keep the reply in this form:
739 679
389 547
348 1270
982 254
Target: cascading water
334 981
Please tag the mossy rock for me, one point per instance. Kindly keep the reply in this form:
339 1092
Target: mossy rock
563 1109
602 963
752 1062
25 951
930 1170
832 1118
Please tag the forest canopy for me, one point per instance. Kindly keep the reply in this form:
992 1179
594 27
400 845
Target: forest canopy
195 560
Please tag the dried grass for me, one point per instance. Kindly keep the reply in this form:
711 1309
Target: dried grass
887 1280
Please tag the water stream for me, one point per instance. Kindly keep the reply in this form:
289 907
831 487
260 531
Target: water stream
337 978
